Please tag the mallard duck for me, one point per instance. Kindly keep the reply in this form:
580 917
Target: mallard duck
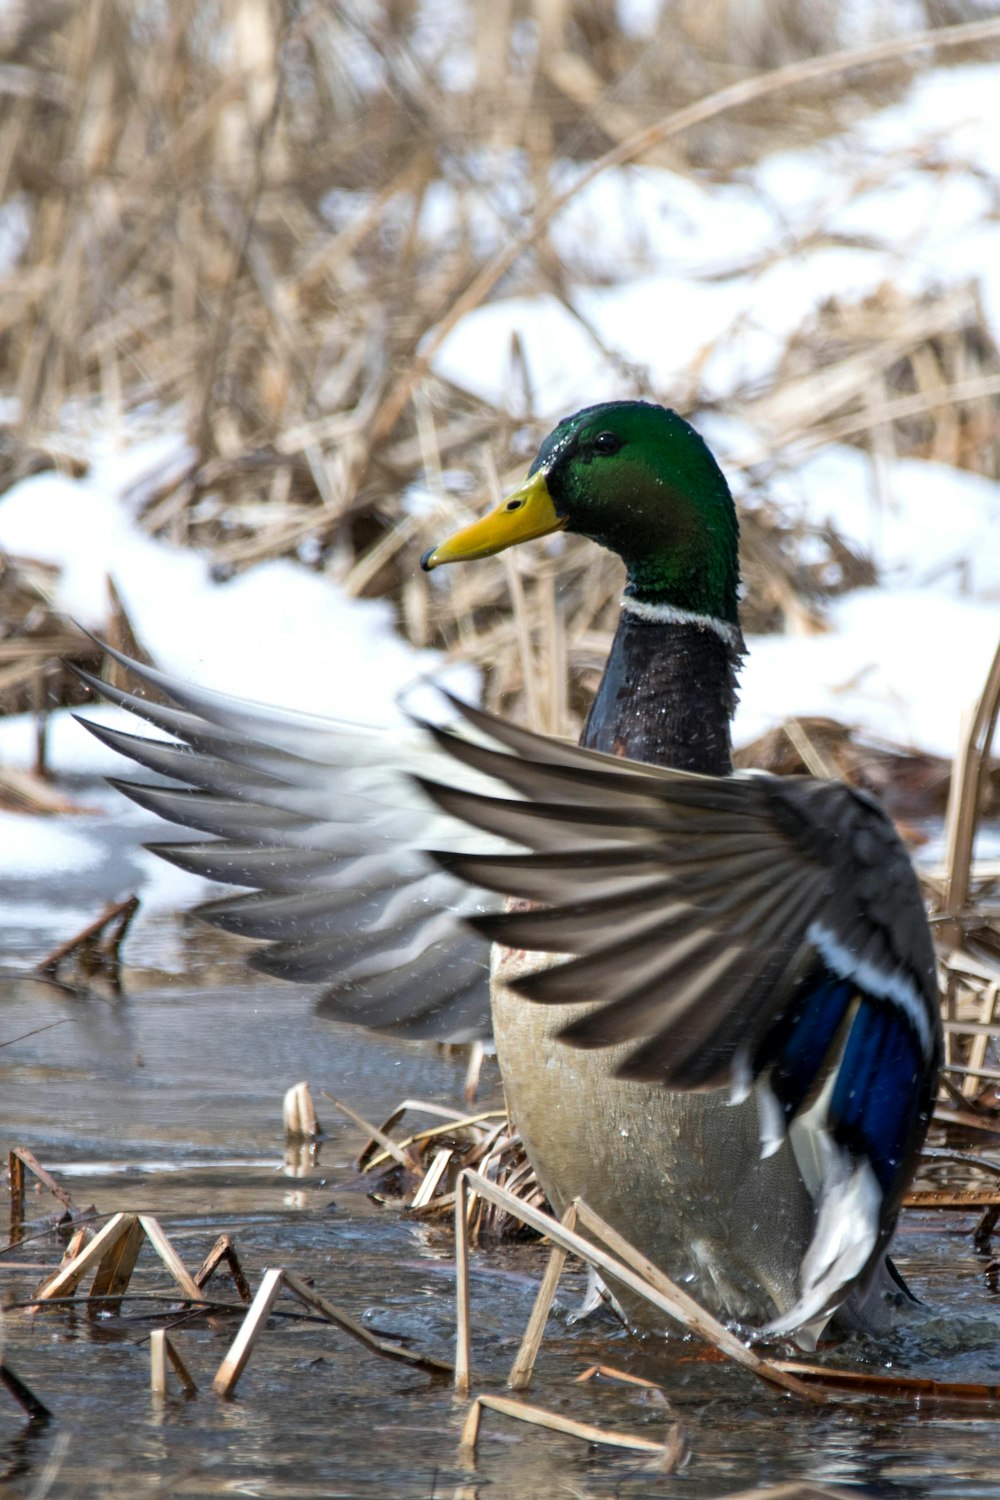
736 1063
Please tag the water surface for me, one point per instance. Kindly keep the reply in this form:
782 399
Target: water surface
168 1101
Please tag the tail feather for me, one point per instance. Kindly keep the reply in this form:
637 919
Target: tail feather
844 1240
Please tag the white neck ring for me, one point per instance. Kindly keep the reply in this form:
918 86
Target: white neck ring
669 614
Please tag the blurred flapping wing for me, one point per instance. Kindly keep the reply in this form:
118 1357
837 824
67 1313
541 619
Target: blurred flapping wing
322 821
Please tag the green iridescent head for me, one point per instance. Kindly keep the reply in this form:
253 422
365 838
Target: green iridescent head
637 479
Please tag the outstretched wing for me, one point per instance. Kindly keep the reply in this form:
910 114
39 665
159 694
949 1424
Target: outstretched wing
696 905
762 931
323 823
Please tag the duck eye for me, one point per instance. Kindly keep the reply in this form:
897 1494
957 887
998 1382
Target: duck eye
606 442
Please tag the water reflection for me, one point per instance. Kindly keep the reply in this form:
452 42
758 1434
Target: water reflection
169 1101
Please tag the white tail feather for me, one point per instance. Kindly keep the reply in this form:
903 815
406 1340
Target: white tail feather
846 1233
770 1120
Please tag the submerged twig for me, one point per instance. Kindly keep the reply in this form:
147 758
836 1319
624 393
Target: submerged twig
96 948
22 1394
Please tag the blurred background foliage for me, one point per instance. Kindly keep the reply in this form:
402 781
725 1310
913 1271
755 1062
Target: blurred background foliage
258 218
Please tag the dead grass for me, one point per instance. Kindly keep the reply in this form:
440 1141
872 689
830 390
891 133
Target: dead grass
226 210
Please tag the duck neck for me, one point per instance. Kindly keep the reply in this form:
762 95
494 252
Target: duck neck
669 690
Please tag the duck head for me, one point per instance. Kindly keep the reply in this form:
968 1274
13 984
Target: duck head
637 479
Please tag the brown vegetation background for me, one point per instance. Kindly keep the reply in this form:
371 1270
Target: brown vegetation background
214 216
215 210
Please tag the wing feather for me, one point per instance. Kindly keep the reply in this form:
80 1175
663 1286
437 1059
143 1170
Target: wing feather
689 906
324 826
694 948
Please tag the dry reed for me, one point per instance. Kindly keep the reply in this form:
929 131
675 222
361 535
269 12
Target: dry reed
264 217
229 211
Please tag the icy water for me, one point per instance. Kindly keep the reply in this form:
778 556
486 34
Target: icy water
168 1101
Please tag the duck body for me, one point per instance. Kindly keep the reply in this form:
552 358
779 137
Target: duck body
640 1154
683 1171
713 997
648 1160
750 1201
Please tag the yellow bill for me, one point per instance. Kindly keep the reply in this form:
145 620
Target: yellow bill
526 513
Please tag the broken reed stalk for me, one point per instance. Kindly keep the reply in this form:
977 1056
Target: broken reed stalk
68 1277
537 1416
975 1071
97 947
914 1387
26 1399
624 1377
223 1253
16 1178
162 1351
234 1363
299 1113
113 1252
403 1158
115 1270
953 1199
376 1345
278 1279
967 1120
20 1157
632 1270
965 801
425 1192
463 1356
524 1361
169 1257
